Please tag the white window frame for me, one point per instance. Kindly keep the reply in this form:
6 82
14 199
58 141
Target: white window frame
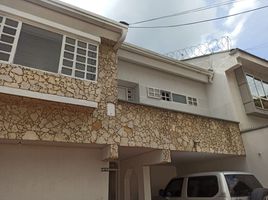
42 23
74 59
153 93
127 89
165 96
257 97
192 101
16 37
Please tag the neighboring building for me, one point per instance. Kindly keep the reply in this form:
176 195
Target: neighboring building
240 92
84 117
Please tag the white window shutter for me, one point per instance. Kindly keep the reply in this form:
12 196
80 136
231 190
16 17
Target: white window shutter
9 36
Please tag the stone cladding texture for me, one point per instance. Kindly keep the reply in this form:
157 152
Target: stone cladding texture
134 125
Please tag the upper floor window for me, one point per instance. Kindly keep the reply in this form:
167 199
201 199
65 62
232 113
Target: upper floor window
154 93
127 91
259 91
39 48
192 101
170 96
165 95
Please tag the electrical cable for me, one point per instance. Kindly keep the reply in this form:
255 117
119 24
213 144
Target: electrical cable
197 22
189 11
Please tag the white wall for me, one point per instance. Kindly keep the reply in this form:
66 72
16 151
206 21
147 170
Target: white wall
223 94
257 153
48 173
147 77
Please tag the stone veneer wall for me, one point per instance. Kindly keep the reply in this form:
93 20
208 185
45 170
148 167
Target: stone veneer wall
35 80
134 125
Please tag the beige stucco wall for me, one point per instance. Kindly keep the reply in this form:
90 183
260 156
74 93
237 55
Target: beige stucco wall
47 172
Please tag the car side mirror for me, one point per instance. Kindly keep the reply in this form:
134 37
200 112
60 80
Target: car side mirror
162 193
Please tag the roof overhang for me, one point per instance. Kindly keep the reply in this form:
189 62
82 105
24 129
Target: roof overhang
140 56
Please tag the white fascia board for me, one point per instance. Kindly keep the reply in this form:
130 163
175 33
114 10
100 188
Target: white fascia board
161 63
54 25
47 97
81 14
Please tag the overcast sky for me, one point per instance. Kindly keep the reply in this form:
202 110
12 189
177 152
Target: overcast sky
248 31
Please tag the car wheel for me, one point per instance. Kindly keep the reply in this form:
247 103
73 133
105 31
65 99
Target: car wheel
259 194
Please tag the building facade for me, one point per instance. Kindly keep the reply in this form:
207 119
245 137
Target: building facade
84 116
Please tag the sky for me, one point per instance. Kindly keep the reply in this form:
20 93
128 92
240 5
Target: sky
247 31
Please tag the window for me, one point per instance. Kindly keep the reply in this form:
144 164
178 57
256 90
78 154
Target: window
179 98
9 31
38 48
126 93
79 59
174 188
165 95
241 185
203 186
154 93
192 101
259 91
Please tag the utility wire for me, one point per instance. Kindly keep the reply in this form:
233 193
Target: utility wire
188 11
197 22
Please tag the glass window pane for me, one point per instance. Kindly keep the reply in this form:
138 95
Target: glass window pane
4 56
265 86
80 66
251 85
79 74
68 63
91 69
66 71
174 188
69 48
82 44
5 47
81 59
259 87
6 38
81 51
91 61
11 22
265 103
68 55
10 31
92 47
91 77
92 54
179 98
203 186
70 40
257 102
241 185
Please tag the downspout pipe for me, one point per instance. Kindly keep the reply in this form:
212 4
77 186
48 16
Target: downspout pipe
122 37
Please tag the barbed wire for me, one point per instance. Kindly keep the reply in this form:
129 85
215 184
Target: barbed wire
213 46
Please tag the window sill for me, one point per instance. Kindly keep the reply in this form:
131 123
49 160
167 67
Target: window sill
47 97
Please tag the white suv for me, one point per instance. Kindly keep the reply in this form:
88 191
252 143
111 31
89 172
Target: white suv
215 186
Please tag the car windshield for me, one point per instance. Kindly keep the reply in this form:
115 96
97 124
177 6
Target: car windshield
241 184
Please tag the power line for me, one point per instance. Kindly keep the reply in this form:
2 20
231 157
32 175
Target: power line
198 22
188 11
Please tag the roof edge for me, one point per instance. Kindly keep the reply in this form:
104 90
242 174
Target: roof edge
163 58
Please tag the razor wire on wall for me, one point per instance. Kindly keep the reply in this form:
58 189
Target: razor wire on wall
216 45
